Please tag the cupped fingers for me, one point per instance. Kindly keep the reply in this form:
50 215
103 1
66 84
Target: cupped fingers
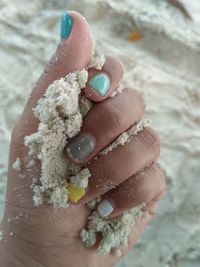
101 83
112 169
146 187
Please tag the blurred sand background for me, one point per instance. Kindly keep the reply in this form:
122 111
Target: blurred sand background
164 64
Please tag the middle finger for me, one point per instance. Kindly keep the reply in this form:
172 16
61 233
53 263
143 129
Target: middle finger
104 122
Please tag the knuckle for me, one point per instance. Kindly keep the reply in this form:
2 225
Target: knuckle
152 138
137 95
115 116
140 98
120 115
152 208
114 66
161 176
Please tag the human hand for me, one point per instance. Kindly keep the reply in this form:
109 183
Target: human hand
43 236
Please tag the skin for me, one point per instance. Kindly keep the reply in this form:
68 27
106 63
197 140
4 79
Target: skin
43 236
113 69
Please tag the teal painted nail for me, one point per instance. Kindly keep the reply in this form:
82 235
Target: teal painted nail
100 83
66 25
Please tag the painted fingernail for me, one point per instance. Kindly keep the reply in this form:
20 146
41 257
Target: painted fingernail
105 208
66 25
75 192
100 83
80 148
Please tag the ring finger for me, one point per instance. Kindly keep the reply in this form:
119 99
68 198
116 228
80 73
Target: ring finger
146 187
112 169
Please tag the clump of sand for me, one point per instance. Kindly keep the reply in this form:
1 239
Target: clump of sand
60 118
97 62
17 164
114 231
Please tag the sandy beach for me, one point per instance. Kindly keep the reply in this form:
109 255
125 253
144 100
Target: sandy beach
163 64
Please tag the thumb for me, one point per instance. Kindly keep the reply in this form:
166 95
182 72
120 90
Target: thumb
74 52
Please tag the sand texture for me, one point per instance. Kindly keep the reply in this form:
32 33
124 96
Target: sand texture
164 65
60 118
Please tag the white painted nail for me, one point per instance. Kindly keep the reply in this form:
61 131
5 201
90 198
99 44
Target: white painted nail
105 208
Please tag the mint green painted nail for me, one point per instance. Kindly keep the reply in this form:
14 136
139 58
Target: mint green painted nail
100 83
66 25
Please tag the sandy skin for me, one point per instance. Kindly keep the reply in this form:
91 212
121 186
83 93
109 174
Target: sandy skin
57 239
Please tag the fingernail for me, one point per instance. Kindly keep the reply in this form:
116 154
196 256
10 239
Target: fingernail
105 208
66 25
80 148
100 83
75 192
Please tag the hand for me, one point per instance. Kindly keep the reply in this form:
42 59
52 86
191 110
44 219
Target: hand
43 236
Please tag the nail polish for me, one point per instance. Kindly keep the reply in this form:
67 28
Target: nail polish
105 208
100 83
66 25
75 193
81 146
